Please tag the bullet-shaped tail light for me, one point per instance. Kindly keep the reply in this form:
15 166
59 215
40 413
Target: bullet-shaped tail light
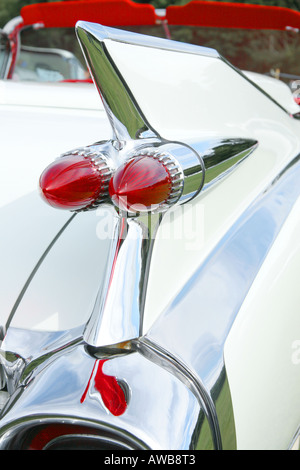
154 179
146 182
76 182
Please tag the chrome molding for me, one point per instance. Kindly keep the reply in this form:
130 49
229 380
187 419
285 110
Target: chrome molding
221 156
126 118
150 392
162 357
13 435
295 444
117 315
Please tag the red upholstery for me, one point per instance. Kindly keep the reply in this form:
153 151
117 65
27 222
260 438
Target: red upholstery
233 15
106 12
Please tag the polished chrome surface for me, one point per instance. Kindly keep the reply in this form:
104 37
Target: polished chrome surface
58 372
228 272
118 312
221 156
124 113
103 33
295 444
125 117
157 354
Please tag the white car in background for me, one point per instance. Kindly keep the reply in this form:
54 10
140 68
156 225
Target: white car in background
153 303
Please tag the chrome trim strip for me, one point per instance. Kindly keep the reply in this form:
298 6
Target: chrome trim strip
117 315
124 114
13 25
295 444
160 356
103 33
230 269
10 433
221 156
110 441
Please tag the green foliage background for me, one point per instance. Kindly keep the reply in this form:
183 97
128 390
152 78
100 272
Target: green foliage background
11 8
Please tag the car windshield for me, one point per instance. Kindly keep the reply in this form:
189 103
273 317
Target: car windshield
54 54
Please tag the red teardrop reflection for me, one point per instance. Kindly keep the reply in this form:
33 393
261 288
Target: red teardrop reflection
111 392
71 182
142 181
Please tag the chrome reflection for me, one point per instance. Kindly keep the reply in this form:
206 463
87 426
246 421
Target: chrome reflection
162 357
117 315
221 156
295 444
52 385
126 118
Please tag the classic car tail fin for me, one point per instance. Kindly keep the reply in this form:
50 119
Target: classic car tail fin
148 94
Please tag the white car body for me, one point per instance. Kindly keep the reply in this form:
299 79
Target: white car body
222 286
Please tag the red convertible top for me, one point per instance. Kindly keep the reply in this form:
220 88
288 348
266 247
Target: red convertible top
233 15
107 12
126 12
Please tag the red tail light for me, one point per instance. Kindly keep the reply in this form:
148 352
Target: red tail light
144 182
74 182
151 179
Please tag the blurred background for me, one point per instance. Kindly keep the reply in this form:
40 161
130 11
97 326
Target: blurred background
273 53
11 8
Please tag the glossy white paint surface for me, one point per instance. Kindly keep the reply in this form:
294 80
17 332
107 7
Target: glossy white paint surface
276 89
203 96
54 95
264 375
27 229
36 127
62 294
